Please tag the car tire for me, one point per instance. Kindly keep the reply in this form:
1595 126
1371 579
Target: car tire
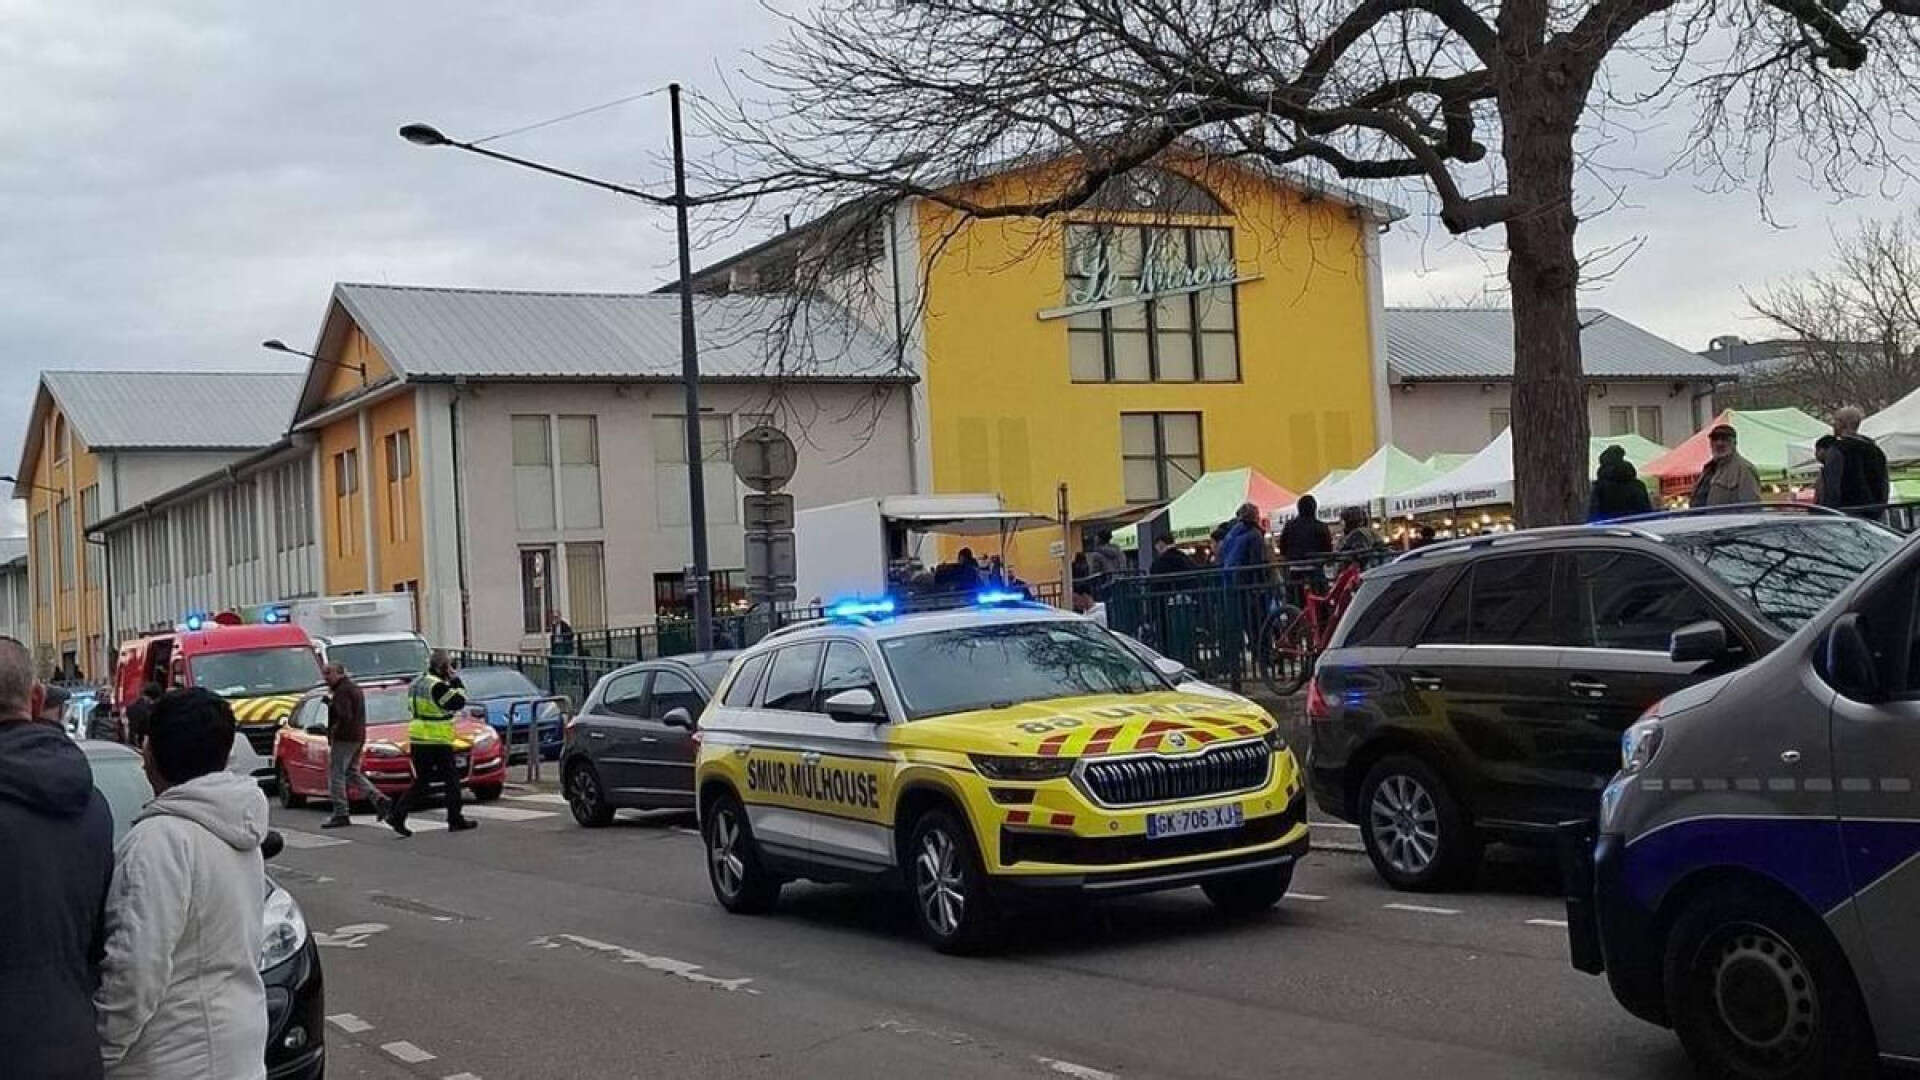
289 798
1415 831
487 792
585 796
1250 893
952 904
740 879
1757 989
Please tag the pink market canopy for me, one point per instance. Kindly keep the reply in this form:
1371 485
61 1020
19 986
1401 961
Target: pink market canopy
1211 500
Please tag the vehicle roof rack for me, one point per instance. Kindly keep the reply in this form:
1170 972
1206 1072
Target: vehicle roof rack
1522 537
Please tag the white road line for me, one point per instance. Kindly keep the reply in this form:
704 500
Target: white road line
349 1023
1079 1072
407 1052
460 1076
1558 924
1332 825
683 830
1422 909
680 969
505 813
547 798
301 841
1311 898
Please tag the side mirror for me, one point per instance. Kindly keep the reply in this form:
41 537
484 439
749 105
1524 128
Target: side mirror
678 717
318 727
271 844
1850 661
1704 640
1173 669
856 706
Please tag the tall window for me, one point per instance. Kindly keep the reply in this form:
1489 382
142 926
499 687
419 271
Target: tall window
532 473
89 517
346 484
670 465
1160 455
63 537
159 551
537 591
243 501
42 556
399 454
60 439
291 490
121 546
1499 420
196 539
586 586
580 471
1180 330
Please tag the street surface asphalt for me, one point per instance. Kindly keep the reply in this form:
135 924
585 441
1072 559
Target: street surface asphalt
534 948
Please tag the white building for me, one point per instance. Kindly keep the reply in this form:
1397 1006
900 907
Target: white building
1451 372
16 602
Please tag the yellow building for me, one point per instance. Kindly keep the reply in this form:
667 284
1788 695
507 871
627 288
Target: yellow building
1193 316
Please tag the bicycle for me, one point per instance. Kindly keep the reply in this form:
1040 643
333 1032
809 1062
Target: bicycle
1293 636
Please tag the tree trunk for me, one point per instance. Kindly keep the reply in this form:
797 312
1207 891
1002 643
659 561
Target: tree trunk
1538 110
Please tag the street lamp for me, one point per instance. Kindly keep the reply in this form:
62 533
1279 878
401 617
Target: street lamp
276 345
17 482
428 135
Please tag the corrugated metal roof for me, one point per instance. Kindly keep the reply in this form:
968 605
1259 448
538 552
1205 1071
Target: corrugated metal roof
482 333
175 410
1477 343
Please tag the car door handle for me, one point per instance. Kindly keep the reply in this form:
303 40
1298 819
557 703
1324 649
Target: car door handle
811 757
596 734
1790 757
1587 688
1424 682
648 738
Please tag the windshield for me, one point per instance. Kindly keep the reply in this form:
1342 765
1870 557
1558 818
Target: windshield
1788 572
122 781
290 670
388 706
365 659
960 670
493 682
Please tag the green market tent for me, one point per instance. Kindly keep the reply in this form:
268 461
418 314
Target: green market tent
1211 500
1767 437
1387 473
1641 451
1444 463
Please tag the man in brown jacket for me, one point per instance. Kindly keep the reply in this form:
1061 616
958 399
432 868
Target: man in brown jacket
346 734
1727 479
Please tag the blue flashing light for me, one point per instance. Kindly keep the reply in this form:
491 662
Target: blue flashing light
195 621
861 609
998 597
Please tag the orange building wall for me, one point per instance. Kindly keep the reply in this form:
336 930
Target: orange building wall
396 560
345 570
358 349
77 614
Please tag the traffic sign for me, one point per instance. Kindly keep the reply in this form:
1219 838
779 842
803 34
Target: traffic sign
764 458
767 513
770 559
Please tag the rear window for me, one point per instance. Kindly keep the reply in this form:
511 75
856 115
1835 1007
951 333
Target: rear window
496 682
1788 571
1501 601
740 691
1390 610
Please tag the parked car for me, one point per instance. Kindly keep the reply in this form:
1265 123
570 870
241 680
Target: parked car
498 695
300 754
631 744
1478 690
1188 680
289 960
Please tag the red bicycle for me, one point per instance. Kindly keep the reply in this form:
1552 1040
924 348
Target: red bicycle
1293 637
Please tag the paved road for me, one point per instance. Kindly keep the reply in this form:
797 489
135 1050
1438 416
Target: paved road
533 948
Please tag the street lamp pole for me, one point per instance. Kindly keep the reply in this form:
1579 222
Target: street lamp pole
702 584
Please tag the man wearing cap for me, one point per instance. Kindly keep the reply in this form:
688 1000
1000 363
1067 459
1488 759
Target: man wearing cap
1727 479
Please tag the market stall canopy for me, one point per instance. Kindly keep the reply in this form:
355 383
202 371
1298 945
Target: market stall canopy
1444 463
1766 438
1896 428
1211 500
1387 473
1486 478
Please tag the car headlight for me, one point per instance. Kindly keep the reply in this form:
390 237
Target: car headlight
286 929
995 767
384 749
1639 744
1275 740
485 740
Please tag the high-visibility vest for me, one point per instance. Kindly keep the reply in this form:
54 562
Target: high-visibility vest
431 723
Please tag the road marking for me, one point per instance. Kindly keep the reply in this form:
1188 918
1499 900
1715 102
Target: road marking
349 1023
1558 924
679 969
683 830
407 1052
460 1076
1311 898
1422 909
1332 825
546 797
505 813
349 937
1079 1072
302 841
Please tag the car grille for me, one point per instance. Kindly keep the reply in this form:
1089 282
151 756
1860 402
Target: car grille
1157 779
261 738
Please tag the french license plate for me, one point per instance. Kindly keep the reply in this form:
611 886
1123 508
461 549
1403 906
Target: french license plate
1181 822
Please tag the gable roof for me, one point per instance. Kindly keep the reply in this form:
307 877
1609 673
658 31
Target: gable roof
1477 343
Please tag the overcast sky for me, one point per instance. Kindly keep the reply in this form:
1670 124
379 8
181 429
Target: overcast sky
177 184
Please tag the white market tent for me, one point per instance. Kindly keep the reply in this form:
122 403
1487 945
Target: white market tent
1896 428
1387 473
1486 478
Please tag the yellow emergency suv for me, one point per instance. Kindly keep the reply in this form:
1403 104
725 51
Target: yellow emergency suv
984 754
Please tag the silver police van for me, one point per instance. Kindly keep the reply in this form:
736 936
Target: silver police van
1755 879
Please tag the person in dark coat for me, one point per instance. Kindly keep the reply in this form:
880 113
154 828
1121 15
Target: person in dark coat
56 861
1617 488
1168 558
1862 467
139 712
1306 537
1246 544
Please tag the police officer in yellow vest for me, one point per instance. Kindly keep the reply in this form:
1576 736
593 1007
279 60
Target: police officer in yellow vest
437 698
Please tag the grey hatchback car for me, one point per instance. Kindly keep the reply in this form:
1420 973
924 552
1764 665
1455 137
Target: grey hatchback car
631 744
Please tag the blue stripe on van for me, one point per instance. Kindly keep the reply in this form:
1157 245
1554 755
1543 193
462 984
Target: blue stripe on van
1801 853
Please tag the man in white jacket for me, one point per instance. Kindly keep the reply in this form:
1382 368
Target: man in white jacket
180 995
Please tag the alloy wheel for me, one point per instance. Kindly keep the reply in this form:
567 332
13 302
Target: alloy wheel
1406 824
938 884
729 869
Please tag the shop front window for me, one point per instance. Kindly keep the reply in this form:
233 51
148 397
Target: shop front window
1162 304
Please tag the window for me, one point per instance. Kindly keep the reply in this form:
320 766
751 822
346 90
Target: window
626 695
740 690
1160 455
89 517
1620 420
120 548
790 681
1513 602
346 484
670 465
671 691
1789 571
846 669
941 672
1179 331
42 554
1643 420
580 471
1650 423
1626 601
586 587
63 538
196 540
399 454
532 473
159 551
670 599
1374 607
291 490
536 588
242 507
60 440
1498 420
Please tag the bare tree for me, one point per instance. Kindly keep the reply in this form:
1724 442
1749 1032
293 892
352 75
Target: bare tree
1853 331
1487 104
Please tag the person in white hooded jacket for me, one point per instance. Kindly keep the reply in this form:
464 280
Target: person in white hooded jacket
180 995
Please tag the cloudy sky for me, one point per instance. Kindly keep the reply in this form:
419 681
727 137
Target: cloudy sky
179 180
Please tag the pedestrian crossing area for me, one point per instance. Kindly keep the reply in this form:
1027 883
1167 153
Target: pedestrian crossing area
512 810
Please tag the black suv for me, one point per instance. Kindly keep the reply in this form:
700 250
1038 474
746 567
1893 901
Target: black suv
1477 690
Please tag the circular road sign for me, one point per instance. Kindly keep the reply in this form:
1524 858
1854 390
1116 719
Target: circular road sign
764 458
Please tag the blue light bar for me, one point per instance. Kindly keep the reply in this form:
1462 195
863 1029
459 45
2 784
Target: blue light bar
195 621
861 609
996 597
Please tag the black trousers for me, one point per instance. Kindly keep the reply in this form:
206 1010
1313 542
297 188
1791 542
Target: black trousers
432 762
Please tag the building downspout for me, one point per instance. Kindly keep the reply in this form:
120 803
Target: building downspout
900 340
460 521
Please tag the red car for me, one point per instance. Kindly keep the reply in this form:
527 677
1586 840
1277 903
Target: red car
300 751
